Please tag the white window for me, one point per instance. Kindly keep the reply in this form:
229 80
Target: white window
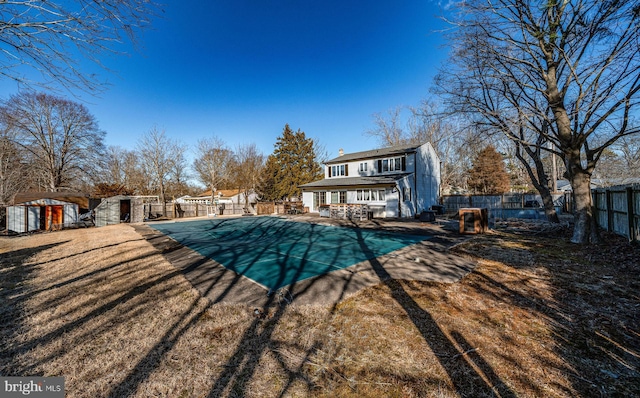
370 195
338 170
406 194
319 198
339 197
363 167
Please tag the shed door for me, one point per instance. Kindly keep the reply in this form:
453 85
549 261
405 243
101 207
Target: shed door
54 217
125 210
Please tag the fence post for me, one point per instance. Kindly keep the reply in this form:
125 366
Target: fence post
630 215
607 194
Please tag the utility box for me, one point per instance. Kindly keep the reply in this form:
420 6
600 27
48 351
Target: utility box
473 220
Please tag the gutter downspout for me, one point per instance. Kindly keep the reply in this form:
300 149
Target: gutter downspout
399 201
414 193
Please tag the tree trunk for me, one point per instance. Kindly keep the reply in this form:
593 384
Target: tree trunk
549 208
539 180
585 229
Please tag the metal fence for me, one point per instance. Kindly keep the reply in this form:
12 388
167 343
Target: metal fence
508 201
617 209
186 210
285 207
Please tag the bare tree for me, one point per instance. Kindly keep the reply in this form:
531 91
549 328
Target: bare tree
427 123
248 167
388 128
158 155
213 163
179 174
61 137
13 167
559 76
52 37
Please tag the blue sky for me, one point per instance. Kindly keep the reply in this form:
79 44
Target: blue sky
241 69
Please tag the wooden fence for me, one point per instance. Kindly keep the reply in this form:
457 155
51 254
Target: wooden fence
617 209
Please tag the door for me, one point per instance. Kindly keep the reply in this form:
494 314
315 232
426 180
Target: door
125 210
53 217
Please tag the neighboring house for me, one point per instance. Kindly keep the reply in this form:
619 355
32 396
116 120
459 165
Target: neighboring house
229 196
399 181
41 214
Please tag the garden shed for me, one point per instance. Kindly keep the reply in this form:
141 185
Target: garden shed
118 209
41 214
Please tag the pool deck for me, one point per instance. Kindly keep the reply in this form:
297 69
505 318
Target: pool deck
429 260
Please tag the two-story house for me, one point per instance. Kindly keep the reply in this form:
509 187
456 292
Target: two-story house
399 181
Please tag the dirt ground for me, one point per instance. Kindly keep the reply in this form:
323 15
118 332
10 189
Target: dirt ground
121 311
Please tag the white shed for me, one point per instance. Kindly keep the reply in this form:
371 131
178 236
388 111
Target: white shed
41 214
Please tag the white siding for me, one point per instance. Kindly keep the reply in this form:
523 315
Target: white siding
22 219
427 178
307 201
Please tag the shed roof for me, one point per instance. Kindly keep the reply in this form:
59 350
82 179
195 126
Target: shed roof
79 198
46 202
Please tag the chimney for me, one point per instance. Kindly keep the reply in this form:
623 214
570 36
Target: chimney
340 152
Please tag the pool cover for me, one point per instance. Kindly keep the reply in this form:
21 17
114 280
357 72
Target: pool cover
276 252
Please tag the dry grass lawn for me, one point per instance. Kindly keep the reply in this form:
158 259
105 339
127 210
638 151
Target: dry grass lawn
538 317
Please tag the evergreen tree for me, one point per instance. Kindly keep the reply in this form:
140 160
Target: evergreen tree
267 184
291 165
488 175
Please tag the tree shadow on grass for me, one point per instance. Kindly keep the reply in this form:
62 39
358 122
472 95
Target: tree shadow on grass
257 339
466 372
587 296
466 368
14 291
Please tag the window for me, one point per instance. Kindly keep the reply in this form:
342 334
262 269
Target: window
339 197
406 194
319 198
392 164
370 195
363 167
339 170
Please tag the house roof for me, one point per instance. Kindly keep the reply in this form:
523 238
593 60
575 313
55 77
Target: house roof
392 150
389 180
225 193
